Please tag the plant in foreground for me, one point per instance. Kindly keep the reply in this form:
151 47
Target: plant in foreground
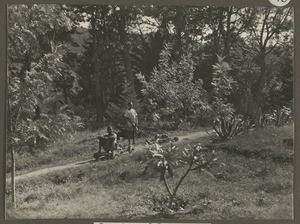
166 159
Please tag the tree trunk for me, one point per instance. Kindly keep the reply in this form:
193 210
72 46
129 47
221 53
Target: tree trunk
13 168
179 23
96 70
13 124
124 41
224 21
259 89
179 183
11 130
126 55
227 35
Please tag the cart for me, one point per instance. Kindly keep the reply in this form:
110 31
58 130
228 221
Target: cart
106 150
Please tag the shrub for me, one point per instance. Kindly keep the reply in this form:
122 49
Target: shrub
230 125
167 159
171 93
225 123
278 118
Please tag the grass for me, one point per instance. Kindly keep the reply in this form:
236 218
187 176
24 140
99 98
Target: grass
72 148
268 143
251 187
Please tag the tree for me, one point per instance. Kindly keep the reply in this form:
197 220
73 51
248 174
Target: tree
266 33
152 33
166 159
111 65
171 90
36 46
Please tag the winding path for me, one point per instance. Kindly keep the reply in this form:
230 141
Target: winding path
190 136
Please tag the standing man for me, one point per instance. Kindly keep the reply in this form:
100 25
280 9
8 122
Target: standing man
132 120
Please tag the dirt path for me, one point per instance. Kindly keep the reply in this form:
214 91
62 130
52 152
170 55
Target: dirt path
189 136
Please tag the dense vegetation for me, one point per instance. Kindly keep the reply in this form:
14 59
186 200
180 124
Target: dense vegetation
191 64
73 68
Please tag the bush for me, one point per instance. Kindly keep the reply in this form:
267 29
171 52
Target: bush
171 93
227 126
278 117
166 159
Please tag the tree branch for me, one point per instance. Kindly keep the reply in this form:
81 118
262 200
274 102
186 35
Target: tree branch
167 186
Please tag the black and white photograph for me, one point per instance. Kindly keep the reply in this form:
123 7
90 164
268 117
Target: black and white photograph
149 112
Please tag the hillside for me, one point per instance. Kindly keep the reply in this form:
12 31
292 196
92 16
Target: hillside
241 186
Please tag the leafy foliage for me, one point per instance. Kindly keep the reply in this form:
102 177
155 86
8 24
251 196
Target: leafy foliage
166 159
222 84
171 90
163 159
37 57
226 124
172 79
279 117
230 125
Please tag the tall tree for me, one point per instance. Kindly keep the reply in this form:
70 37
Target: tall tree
123 19
232 23
94 32
99 70
266 32
36 46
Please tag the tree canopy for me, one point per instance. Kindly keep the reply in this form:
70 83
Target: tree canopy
76 66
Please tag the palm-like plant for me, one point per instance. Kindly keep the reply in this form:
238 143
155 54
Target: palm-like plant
166 159
227 126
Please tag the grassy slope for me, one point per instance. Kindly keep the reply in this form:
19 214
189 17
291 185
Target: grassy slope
74 147
245 187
